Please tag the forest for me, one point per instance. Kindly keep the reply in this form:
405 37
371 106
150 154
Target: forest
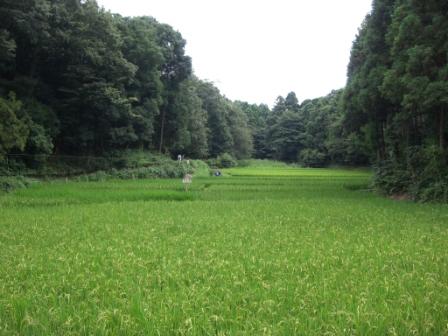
326 216
77 80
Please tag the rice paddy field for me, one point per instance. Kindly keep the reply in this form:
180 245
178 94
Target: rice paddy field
258 251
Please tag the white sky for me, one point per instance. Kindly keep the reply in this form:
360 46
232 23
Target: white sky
257 50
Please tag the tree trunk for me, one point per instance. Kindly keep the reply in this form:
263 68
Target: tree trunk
162 127
382 143
442 129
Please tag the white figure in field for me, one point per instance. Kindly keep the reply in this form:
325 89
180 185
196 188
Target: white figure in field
187 181
179 157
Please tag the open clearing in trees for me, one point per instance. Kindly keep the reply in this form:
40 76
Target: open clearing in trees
267 250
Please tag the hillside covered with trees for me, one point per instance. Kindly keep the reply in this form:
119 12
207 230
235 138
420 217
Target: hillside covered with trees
77 80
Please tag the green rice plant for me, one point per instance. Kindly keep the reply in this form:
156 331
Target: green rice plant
282 252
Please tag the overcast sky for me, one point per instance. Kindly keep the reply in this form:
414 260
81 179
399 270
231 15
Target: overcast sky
256 50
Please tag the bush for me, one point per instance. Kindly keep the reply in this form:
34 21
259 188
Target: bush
129 164
422 174
391 177
312 158
10 183
200 168
169 169
245 163
212 163
226 161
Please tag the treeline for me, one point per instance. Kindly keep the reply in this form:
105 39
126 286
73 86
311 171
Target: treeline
311 133
397 95
78 80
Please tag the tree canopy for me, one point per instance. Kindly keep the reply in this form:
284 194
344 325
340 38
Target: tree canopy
397 94
76 79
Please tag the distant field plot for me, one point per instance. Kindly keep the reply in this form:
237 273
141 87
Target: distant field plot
266 250
296 172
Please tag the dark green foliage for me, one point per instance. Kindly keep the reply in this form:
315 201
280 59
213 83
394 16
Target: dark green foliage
94 85
228 124
241 134
89 83
287 136
145 90
256 120
422 176
13 128
175 68
284 130
311 133
189 128
137 173
10 183
144 165
312 158
396 95
225 160
78 81
7 50
220 138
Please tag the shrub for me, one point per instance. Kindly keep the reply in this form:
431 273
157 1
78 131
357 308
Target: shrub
167 169
10 183
226 161
200 168
312 158
422 174
212 163
391 177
